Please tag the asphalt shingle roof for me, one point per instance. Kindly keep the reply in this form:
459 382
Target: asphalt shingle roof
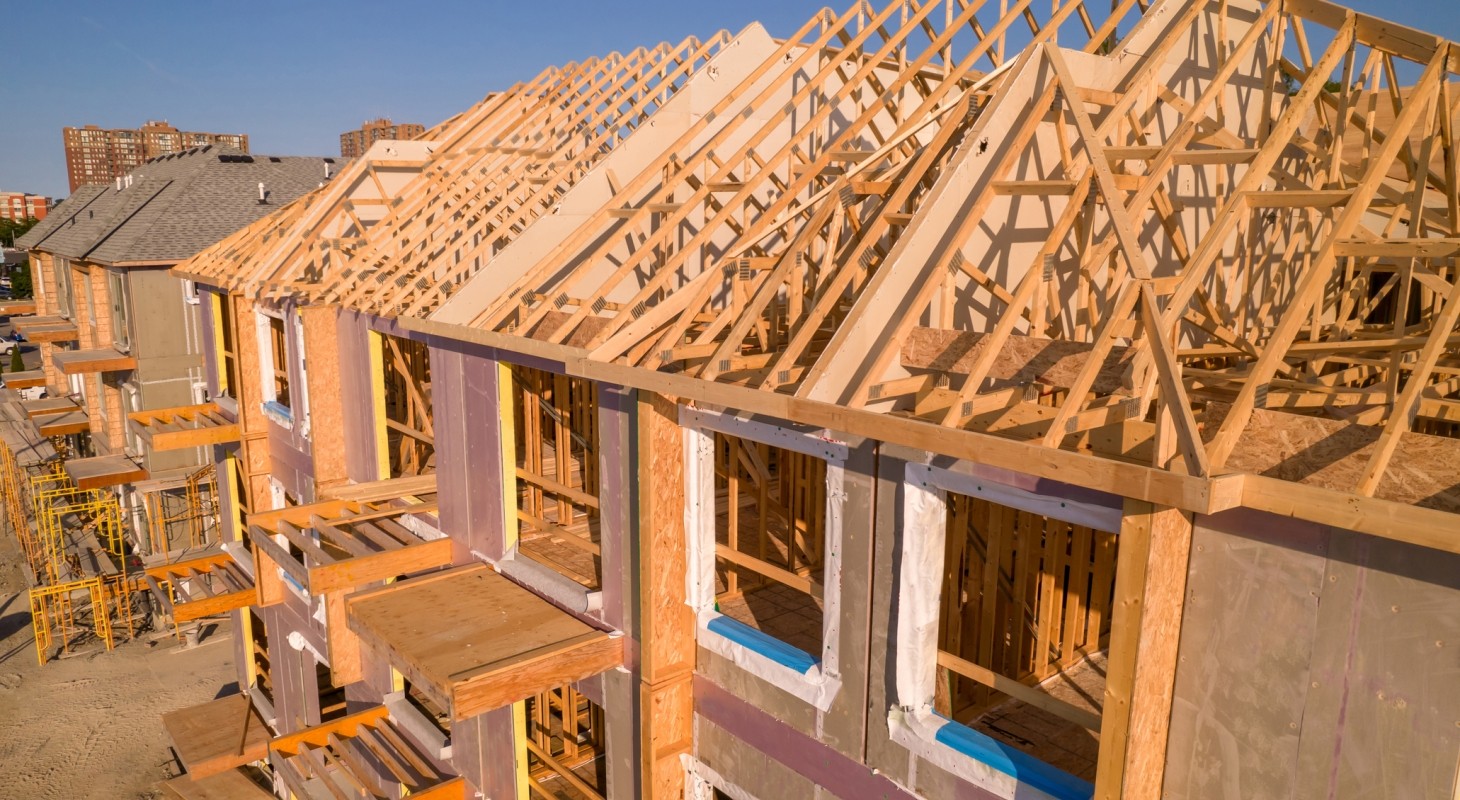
174 206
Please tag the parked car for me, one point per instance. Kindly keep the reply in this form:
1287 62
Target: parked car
7 346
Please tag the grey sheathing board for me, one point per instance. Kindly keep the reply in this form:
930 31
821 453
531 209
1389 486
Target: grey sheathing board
1383 706
615 503
1315 663
843 725
747 768
883 753
464 400
355 384
483 752
1246 638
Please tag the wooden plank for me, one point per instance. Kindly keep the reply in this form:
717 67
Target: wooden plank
1134 545
354 572
1025 694
263 542
230 784
219 735
348 726
520 645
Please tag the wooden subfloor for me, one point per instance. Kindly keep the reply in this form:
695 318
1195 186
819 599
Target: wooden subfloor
1045 736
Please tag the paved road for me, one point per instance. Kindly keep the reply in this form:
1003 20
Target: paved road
30 353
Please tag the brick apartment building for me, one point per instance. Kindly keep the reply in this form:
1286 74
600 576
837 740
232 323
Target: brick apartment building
99 155
20 206
353 144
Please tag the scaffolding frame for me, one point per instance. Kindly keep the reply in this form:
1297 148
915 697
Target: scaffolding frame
199 512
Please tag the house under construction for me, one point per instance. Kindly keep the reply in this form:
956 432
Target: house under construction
948 400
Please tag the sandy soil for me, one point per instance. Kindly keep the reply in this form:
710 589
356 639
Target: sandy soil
89 727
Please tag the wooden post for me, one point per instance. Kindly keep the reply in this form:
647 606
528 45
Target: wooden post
1150 595
326 407
667 645
253 445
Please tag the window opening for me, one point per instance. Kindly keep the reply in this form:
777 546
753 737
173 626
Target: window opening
555 420
770 536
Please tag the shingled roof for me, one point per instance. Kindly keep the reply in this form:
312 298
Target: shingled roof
174 206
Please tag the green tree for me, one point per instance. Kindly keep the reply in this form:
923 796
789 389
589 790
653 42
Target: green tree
20 283
11 229
17 364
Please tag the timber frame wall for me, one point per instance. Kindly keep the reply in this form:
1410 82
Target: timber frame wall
1170 346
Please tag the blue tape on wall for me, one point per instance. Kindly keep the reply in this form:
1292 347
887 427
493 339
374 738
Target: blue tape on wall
768 646
1028 769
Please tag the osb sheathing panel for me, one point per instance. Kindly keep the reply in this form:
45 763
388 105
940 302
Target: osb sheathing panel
1315 663
1333 454
1022 359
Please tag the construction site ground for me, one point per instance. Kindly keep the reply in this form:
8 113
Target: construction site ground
88 726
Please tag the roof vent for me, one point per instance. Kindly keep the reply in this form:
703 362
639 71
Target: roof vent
263 194
327 163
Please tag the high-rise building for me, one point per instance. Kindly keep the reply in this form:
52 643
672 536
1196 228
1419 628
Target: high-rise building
20 206
98 155
353 144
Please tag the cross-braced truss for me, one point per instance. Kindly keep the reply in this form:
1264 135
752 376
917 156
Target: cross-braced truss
1187 235
446 201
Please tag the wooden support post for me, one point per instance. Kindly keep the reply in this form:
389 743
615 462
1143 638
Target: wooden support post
667 643
1150 595
326 406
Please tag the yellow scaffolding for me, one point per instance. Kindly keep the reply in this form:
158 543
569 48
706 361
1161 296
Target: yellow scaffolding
45 509
56 616
197 512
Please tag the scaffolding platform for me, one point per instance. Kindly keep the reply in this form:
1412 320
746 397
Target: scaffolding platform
204 586
48 405
341 756
100 472
63 424
216 736
25 379
17 308
473 640
345 545
87 362
183 427
46 329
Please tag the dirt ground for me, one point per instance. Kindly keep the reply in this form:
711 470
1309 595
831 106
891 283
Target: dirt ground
88 727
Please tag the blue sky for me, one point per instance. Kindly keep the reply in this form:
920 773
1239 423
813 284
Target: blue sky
293 74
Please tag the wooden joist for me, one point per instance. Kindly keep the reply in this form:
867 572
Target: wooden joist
183 427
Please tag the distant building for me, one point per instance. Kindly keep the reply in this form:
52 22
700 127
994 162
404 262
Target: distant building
20 206
100 155
353 144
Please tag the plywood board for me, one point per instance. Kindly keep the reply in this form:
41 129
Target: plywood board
100 472
228 785
85 362
476 640
218 735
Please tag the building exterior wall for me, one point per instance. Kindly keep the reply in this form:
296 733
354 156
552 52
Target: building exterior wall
165 340
20 206
353 144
